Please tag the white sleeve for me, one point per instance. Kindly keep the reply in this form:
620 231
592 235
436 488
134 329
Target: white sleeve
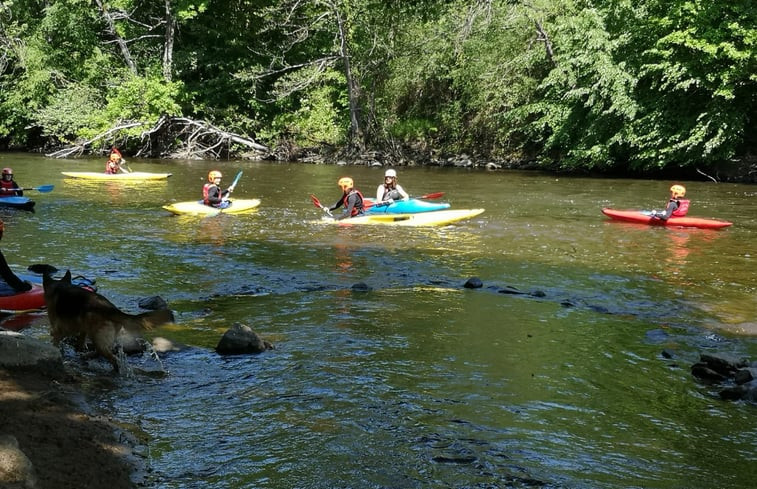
380 193
402 192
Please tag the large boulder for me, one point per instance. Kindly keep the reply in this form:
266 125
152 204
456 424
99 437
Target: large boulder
20 351
16 470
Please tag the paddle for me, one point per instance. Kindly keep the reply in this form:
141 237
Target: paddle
318 204
432 195
233 184
42 188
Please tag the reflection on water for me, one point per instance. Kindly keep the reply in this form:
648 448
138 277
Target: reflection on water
416 381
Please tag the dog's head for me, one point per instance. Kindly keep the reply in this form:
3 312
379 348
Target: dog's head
49 283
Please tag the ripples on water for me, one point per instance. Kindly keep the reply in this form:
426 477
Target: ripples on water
418 382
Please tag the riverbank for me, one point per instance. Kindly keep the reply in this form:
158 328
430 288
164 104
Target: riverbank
69 446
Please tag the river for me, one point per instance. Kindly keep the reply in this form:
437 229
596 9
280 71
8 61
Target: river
417 382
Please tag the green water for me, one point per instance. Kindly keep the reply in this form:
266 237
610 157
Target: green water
418 382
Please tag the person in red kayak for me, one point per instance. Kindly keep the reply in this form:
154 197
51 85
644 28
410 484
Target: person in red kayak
116 163
351 199
8 186
677 205
10 284
212 194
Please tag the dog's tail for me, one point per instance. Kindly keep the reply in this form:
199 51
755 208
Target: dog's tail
149 320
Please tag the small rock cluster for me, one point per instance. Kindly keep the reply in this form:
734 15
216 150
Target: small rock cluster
735 377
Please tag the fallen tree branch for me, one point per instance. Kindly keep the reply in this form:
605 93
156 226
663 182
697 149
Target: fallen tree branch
172 137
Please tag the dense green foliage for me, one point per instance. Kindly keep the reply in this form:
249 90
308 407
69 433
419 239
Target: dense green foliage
616 85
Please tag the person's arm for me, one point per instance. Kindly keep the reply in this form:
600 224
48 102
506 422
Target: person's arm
10 278
402 192
337 205
18 192
214 195
351 203
380 193
669 209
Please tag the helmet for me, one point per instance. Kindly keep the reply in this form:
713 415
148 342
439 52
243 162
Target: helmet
213 175
115 155
678 191
115 151
390 173
345 183
7 171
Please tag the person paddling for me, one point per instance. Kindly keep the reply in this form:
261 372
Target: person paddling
212 194
10 283
351 199
677 206
390 190
116 163
8 186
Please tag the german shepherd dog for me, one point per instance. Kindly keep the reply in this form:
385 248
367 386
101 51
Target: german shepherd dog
80 313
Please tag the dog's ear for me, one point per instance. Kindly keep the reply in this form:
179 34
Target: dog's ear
67 277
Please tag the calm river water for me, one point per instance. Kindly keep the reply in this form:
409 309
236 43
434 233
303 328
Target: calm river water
419 382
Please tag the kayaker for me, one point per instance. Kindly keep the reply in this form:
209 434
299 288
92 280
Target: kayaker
677 205
10 283
212 194
390 190
351 199
116 163
8 186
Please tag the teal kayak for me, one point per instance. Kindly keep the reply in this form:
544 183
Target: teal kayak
15 202
410 206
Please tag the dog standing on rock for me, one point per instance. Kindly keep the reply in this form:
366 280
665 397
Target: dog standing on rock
76 312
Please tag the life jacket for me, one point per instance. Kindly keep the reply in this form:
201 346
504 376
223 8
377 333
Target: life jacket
111 167
206 193
683 207
10 185
358 209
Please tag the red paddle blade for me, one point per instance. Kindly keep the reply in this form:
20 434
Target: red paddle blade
315 200
433 195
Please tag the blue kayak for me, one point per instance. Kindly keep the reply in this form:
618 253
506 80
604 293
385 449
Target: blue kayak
15 202
410 206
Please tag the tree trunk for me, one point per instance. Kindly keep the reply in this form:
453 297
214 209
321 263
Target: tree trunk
356 133
111 27
168 43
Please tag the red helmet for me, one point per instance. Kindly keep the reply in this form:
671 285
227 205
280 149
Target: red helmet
7 171
115 150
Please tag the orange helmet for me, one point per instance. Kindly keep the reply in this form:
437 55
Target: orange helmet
345 183
213 175
677 191
115 156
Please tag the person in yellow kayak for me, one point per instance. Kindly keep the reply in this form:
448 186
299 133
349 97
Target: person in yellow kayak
677 206
351 199
212 194
390 190
10 284
8 186
116 163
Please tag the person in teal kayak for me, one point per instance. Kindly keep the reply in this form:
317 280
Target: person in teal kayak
212 194
351 199
8 186
390 190
10 284
116 163
677 205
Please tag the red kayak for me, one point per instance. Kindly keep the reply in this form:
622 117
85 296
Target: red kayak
640 217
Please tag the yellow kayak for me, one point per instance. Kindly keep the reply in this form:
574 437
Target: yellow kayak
127 177
433 218
197 208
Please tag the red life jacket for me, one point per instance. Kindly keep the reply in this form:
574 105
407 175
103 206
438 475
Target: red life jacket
206 193
358 206
111 167
683 208
10 185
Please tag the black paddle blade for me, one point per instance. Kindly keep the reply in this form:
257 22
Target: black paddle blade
42 269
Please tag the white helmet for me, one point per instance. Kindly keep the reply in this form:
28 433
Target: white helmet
390 173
